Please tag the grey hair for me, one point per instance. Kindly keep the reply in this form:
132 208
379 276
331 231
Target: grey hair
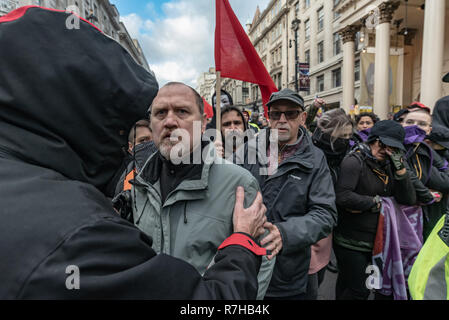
333 122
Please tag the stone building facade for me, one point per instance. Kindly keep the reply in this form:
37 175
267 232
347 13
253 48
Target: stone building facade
394 51
206 84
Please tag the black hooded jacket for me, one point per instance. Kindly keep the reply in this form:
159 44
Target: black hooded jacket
67 98
441 112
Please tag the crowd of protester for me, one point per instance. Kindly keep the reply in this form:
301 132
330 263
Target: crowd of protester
357 166
256 211
367 161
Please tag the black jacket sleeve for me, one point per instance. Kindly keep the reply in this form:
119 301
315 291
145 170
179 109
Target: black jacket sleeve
348 180
302 231
403 191
423 194
115 261
439 177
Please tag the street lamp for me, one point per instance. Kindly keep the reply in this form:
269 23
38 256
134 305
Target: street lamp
295 28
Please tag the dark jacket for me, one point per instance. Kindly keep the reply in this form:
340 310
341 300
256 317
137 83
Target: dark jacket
430 168
356 188
300 201
66 98
441 112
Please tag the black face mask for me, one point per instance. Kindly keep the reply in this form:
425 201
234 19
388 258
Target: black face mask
323 140
142 152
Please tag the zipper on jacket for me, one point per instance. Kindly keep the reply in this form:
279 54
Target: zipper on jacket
185 212
140 217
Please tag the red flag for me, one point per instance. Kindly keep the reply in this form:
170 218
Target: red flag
208 109
235 55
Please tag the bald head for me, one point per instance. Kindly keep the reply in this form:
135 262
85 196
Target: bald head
198 99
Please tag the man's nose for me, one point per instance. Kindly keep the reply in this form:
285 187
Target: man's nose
283 118
170 120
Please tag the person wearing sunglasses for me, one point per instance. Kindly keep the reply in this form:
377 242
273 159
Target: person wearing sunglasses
297 189
374 169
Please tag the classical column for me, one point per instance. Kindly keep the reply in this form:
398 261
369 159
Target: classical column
348 39
433 51
382 63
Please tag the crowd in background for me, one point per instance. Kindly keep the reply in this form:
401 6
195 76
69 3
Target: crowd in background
377 167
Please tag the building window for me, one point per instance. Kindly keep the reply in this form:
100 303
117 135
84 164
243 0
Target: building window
297 8
357 70
245 92
337 45
336 14
320 83
307 56
320 52
307 29
320 19
307 3
336 78
357 41
278 81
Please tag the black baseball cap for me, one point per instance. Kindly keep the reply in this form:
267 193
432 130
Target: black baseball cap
389 132
446 78
440 135
286 94
400 114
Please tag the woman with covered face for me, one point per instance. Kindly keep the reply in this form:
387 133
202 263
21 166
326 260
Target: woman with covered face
363 124
374 169
334 129
234 130
430 168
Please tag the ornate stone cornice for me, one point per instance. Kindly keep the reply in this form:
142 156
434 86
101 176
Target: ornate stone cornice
386 11
348 33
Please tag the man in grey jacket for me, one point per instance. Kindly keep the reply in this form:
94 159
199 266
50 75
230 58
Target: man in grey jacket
184 195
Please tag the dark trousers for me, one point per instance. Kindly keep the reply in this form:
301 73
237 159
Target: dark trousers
313 284
351 281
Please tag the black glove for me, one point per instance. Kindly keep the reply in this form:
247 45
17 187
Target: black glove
397 159
123 204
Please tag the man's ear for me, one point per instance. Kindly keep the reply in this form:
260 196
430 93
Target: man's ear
130 147
303 118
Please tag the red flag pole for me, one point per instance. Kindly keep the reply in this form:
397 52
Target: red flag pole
218 104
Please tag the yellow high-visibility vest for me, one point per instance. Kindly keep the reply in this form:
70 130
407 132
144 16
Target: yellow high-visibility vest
429 278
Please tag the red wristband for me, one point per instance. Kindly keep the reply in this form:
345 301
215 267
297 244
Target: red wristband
244 241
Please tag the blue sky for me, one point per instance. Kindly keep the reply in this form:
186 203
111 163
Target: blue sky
177 36
148 9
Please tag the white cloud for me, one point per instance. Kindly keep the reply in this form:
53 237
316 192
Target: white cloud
180 46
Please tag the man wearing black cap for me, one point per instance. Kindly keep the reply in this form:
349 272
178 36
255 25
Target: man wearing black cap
299 193
373 170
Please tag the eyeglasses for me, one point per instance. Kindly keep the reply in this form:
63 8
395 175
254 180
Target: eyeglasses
384 146
289 115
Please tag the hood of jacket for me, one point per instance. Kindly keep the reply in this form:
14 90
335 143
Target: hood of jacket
68 96
441 112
